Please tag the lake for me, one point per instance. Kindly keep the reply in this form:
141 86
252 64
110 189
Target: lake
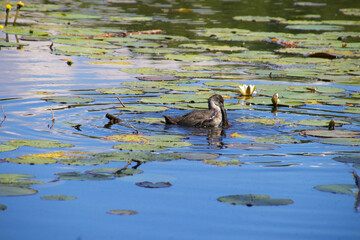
69 170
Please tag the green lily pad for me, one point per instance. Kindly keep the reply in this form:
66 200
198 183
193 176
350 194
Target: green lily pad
6 148
283 102
6 190
198 156
39 143
16 176
348 159
148 184
84 176
315 27
122 212
158 37
265 121
222 48
257 18
77 50
131 18
252 146
341 141
3 207
222 84
189 57
254 200
119 91
321 122
12 44
338 188
58 197
278 139
309 4
73 16
83 161
350 11
119 172
143 108
140 147
32 159
18 182
138 156
150 120
231 162
332 133
68 99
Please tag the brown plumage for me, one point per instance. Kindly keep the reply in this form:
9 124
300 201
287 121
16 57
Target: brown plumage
215 116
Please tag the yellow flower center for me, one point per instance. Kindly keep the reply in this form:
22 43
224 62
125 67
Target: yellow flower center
8 7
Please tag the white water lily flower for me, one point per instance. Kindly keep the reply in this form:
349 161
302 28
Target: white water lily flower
246 90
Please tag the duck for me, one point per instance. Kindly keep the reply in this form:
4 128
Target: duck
215 116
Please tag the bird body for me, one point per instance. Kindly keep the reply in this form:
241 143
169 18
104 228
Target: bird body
215 116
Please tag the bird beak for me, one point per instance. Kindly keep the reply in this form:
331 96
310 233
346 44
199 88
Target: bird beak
225 122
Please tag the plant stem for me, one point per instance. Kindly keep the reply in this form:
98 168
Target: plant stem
7 17
16 16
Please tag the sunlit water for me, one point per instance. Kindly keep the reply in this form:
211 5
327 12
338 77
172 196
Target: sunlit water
189 208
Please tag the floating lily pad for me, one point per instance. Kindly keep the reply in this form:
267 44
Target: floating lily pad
223 48
129 138
140 147
350 11
83 161
131 18
309 4
122 212
189 57
283 102
6 148
18 182
119 171
77 50
6 190
119 91
68 99
39 143
348 159
198 156
231 162
263 121
84 176
147 184
3 207
157 78
254 200
58 197
143 108
258 18
321 122
73 16
332 133
16 176
151 120
341 141
32 159
338 188
252 146
315 27
278 139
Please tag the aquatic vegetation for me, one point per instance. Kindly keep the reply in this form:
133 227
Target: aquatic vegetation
133 62
254 200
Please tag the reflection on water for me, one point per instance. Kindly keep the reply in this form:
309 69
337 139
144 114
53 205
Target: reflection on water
247 158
